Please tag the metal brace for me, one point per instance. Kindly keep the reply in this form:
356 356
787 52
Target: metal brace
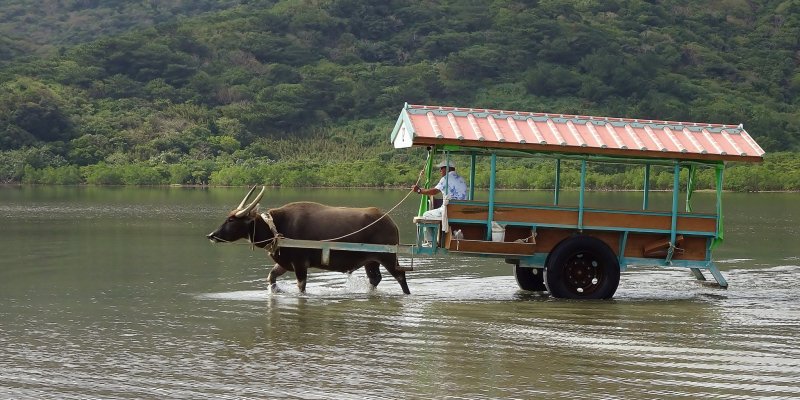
670 252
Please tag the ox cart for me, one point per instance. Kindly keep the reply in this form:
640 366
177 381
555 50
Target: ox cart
575 251
571 251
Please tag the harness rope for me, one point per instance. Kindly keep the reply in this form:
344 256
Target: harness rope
419 176
268 218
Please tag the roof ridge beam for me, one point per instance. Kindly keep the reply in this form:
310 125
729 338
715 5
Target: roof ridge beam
672 137
435 125
707 135
495 129
733 144
476 129
752 143
454 124
654 138
694 141
613 132
576 134
555 132
636 140
596 135
535 130
513 125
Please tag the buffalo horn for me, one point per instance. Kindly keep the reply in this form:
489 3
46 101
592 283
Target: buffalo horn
246 210
239 207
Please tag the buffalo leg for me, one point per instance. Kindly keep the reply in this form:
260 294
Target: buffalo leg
390 263
373 271
274 273
301 272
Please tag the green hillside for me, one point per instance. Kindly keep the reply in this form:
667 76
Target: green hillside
50 26
306 92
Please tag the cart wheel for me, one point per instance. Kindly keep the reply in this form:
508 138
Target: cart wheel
531 279
582 267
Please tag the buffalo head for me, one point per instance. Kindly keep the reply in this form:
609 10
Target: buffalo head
239 223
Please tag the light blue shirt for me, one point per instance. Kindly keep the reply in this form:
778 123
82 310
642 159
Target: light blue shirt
456 186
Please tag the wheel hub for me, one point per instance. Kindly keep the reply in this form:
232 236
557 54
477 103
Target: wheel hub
582 273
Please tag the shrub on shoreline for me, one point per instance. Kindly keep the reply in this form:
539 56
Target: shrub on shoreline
778 172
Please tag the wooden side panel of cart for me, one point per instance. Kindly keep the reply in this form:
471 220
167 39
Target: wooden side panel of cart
540 228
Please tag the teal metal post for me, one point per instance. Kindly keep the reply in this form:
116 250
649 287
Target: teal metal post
581 195
558 181
492 183
646 199
675 199
472 178
720 231
719 172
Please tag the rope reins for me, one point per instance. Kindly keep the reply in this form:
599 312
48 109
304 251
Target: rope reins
419 177
373 222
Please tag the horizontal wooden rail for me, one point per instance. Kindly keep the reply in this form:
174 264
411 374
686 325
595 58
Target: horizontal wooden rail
592 218
493 248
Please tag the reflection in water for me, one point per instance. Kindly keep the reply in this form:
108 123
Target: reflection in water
118 295
478 336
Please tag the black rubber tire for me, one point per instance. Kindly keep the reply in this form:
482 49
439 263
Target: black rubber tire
531 279
582 267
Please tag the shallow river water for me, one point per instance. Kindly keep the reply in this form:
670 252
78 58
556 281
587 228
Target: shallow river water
115 293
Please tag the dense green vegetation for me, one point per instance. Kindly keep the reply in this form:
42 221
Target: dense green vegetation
47 27
305 92
779 172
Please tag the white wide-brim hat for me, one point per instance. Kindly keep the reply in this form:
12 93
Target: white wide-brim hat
448 164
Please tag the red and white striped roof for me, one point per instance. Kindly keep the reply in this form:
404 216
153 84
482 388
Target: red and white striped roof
420 125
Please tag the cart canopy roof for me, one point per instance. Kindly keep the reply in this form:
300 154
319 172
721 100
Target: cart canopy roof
516 132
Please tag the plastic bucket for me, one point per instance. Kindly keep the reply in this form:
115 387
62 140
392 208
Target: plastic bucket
498 232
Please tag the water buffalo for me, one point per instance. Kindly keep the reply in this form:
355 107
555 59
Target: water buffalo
314 221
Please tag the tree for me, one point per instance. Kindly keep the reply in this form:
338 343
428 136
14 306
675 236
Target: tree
89 149
30 111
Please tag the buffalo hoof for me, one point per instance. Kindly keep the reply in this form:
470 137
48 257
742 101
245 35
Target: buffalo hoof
273 288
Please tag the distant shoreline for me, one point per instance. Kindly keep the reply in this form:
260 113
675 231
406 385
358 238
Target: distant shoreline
195 186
